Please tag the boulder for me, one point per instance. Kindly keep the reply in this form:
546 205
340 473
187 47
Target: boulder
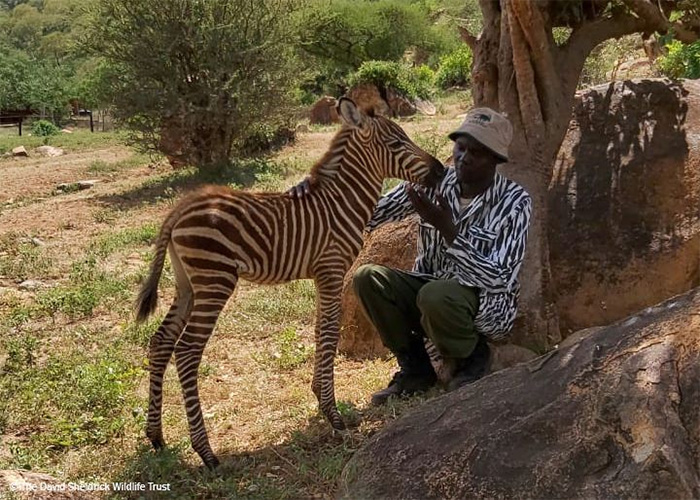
624 230
630 158
20 151
612 416
398 104
323 112
368 96
392 245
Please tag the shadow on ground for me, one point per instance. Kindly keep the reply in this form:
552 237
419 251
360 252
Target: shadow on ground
240 175
307 465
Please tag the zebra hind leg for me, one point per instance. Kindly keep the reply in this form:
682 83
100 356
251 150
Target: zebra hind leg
161 349
188 355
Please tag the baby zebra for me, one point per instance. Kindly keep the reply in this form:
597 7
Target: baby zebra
216 236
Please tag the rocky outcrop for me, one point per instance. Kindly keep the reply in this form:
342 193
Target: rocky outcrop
611 416
388 101
625 226
323 112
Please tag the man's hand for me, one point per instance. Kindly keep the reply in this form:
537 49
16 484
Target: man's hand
439 216
300 190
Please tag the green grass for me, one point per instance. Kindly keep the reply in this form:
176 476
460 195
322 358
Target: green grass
78 140
103 167
64 400
130 237
21 259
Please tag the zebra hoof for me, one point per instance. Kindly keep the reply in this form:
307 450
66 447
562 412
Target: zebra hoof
156 439
338 424
212 463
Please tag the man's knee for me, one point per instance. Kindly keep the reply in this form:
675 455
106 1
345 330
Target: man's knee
437 295
365 278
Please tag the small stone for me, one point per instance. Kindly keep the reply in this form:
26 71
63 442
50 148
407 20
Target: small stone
30 285
66 131
302 129
87 184
38 242
49 151
20 151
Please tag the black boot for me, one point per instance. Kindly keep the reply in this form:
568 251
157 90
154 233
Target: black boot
472 368
416 374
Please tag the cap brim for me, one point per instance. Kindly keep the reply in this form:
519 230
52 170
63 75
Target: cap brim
458 133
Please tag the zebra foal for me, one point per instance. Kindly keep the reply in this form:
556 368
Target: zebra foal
216 236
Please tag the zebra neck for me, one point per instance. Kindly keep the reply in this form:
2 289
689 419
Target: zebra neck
355 187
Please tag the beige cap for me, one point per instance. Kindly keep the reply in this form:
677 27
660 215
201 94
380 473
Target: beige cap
490 128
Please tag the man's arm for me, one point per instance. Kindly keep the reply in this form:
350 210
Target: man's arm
498 271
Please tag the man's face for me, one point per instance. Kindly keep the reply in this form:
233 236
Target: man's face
473 161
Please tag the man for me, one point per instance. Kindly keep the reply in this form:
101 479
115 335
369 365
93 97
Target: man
463 288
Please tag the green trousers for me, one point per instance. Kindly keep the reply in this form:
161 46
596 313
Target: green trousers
402 306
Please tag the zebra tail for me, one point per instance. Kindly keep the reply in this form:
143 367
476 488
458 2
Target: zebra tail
147 299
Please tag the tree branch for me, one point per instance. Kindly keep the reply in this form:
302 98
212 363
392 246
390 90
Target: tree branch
588 35
468 38
547 72
530 105
657 21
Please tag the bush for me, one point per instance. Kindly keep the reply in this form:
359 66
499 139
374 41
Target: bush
682 61
409 81
44 128
454 69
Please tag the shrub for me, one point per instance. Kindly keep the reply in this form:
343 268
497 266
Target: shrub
202 76
411 82
682 61
44 128
454 69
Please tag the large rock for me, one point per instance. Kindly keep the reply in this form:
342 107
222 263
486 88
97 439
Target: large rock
392 245
612 416
624 230
625 225
323 112
368 97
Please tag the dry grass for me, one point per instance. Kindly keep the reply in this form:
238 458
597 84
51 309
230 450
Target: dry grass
73 389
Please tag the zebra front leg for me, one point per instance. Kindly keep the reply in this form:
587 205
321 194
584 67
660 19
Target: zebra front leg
188 355
159 353
329 287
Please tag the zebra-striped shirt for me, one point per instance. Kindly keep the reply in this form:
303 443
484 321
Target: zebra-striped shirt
487 252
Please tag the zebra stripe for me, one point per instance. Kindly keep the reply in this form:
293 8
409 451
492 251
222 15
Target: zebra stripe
216 236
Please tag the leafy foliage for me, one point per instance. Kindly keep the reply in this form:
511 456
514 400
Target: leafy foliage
44 128
681 61
455 68
338 36
409 81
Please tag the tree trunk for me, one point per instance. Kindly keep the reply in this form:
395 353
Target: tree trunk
520 70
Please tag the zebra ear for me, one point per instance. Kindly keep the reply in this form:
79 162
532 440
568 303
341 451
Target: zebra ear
350 113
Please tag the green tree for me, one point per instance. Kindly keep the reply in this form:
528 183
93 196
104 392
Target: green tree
192 77
337 36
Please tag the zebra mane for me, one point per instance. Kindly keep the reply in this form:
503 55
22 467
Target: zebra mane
328 167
